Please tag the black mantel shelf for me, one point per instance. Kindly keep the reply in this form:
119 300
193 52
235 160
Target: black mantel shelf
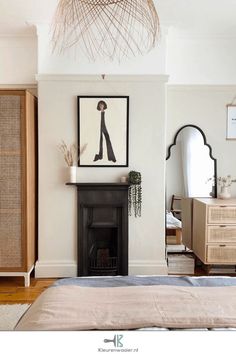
100 186
96 184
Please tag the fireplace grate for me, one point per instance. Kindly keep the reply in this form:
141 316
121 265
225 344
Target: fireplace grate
100 266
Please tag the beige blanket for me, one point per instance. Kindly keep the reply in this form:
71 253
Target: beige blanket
79 308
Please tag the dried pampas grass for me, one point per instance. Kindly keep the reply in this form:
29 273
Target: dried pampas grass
71 153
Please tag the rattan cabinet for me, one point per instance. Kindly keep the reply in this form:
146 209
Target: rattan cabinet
17 183
214 230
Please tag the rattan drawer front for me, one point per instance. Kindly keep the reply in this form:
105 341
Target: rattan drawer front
222 234
222 215
221 254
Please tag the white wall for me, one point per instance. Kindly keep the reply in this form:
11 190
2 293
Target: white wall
201 59
204 106
18 60
57 202
188 59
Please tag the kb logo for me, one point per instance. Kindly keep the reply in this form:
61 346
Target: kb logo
116 340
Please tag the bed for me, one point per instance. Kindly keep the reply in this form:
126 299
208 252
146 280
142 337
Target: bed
134 302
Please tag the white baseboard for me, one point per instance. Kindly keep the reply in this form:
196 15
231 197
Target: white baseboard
146 267
68 269
57 269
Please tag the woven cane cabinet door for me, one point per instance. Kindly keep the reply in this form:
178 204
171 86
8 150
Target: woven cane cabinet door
17 181
214 230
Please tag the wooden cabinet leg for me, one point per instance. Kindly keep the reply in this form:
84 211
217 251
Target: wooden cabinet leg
27 280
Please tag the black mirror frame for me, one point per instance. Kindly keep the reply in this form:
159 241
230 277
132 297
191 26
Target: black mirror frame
205 143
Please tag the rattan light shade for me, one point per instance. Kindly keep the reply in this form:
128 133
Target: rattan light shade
106 28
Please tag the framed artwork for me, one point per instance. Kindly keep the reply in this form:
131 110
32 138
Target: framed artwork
103 124
231 122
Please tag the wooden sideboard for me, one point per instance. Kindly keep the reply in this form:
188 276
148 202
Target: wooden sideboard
214 230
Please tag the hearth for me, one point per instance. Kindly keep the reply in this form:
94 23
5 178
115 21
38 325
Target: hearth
102 228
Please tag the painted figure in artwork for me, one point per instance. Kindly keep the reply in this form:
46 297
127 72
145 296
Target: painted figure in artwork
102 106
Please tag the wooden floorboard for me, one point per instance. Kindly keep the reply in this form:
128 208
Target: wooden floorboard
12 290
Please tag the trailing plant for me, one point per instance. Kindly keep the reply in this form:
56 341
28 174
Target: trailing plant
135 193
71 153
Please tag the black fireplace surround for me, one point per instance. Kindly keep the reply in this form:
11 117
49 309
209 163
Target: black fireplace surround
102 228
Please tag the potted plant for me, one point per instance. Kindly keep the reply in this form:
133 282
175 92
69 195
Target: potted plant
71 155
135 193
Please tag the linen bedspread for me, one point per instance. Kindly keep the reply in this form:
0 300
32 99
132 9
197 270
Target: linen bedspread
74 307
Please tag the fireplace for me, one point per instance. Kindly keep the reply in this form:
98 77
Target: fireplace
102 228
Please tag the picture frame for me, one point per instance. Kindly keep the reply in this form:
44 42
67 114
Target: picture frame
231 122
103 124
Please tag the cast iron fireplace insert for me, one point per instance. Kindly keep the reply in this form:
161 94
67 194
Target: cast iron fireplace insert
102 228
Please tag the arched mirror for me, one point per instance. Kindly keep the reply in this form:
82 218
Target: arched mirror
190 173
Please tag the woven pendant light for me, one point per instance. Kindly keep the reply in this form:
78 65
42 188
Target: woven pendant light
106 28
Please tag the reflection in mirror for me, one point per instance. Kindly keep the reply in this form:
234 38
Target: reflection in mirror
190 168
190 173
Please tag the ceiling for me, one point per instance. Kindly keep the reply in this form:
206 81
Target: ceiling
205 16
